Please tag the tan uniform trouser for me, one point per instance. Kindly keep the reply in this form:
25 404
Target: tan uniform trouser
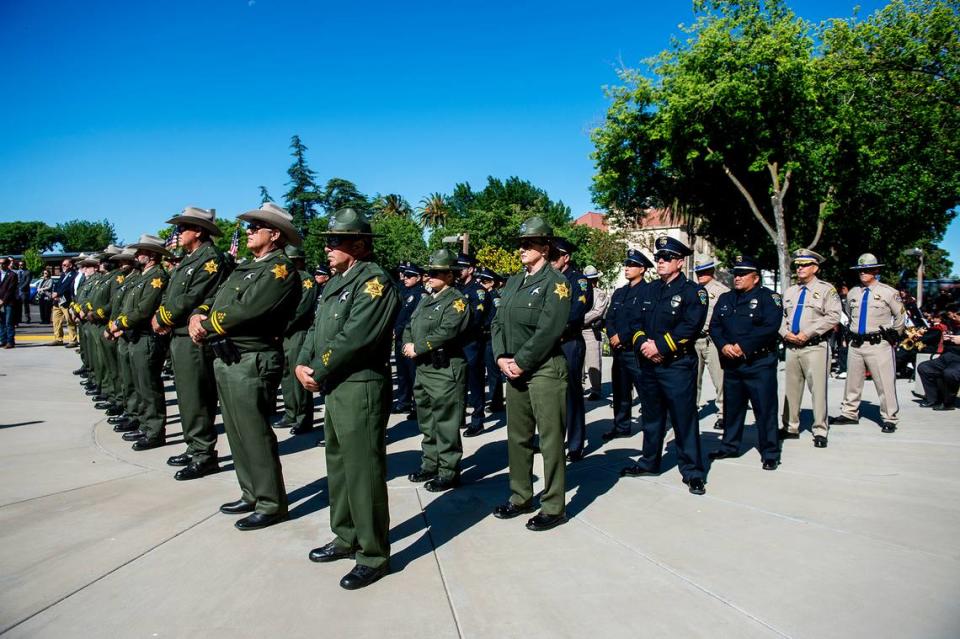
708 357
880 360
61 318
806 366
592 360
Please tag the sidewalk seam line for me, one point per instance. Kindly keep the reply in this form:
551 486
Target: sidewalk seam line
70 490
104 575
436 558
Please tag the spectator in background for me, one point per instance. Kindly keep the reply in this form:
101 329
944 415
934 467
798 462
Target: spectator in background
9 289
23 292
44 297
592 337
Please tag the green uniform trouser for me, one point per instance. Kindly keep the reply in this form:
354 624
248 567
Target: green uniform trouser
355 429
146 360
128 389
538 402
83 338
196 396
441 411
297 400
248 392
108 355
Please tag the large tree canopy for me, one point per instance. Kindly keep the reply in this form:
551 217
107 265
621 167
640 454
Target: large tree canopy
770 133
84 235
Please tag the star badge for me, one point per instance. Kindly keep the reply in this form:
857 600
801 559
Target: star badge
562 290
210 267
120 279
308 284
373 288
459 306
279 271
156 282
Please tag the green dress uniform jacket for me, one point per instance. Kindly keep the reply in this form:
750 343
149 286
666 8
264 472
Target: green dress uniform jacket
196 278
82 304
436 330
532 315
348 348
129 400
251 310
297 400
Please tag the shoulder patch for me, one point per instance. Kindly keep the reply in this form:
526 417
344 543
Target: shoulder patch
373 288
481 294
584 285
777 300
702 294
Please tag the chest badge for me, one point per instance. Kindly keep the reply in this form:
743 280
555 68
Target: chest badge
156 282
373 288
343 297
459 306
676 299
210 267
535 291
308 284
753 304
279 271
562 290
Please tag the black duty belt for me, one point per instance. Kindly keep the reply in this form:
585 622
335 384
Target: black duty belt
762 352
859 339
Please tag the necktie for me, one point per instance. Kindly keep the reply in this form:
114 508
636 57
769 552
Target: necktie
862 326
795 326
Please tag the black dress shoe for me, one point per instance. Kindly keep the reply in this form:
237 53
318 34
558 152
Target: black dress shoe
888 427
723 454
543 521
280 424
439 484
510 510
103 405
100 397
783 433
116 419
473 431
637 471
256 521
238 507
80 371
127 427
301 430
183 459
842 420
362 576
771 464
593 397
943 407
421 476
574 456
614 434
331 552
113 411
92 392
718 425
196 471
132 435
819 441
926 404
146 444
697 486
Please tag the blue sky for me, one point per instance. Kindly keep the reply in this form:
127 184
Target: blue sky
132 110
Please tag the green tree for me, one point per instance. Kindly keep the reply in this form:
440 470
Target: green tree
391 204
500 260
314 243
84 235
401 239
17 237
34 261
604 250
340 193
264 195
433 211
302 196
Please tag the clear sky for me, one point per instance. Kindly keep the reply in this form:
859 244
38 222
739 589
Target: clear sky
132 110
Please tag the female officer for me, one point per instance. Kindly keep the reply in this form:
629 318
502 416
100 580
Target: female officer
526 344
433 340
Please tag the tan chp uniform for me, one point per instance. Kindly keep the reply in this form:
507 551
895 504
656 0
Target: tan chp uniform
707 355
872 310
808 364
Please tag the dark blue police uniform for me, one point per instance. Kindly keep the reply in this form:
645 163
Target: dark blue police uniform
574 351
495 378
406 367
474 344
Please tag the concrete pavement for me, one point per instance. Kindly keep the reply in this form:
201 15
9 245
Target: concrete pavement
857 540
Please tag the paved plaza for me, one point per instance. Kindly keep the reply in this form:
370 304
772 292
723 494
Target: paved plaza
861 539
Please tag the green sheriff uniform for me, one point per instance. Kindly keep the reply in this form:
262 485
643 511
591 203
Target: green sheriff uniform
129 401
348 348
533 312
439 390
193 281
247 315
81 304
297 400
146 352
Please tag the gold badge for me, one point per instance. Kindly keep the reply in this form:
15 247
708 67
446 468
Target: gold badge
279 271
120 279
210 267
373 288
582 299
325 358
562 290
459 306
308 284
156 282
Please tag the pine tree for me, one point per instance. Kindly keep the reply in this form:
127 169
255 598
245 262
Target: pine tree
302 195
264 195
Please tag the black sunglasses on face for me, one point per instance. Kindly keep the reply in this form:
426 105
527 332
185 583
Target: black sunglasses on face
187 227
253 227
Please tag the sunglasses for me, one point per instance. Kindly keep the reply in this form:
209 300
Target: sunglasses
665 258
528 244
799 266
334 241
253 227
189 227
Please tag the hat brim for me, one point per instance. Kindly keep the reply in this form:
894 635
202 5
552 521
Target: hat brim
153 248
285 227
193 221
442 267
866 267
122 257
806 260
745 269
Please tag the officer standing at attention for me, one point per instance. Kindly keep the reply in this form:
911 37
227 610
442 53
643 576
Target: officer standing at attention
488 279
474 347
707 353
433 339
624 312
347 353
811 309
147 350
744 329
526 342
672 312
592 336
243 322
411 293
297 400
195 279
572 343
127 421
877 319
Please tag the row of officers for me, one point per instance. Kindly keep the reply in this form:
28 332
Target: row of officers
235 333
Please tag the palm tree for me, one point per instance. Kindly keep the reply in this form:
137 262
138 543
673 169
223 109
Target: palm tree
434 211
392 204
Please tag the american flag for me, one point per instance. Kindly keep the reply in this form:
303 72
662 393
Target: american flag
235 241
173 241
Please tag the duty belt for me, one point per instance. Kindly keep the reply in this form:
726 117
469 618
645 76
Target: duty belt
813 341
859 339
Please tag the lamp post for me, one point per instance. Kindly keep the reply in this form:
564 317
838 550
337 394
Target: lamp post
917 252
463 239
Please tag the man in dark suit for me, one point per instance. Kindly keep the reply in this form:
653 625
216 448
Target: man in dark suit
62 295
9 289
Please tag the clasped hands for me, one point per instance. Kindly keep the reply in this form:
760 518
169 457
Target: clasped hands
733 351
796 338
649 350
509 367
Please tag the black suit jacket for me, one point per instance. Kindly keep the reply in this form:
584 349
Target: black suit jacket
64 288
9 287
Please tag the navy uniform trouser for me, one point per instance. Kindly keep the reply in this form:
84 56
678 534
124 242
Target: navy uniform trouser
941 378
574 350
671 390
406 374
625 379
474 354
495 378
756 382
